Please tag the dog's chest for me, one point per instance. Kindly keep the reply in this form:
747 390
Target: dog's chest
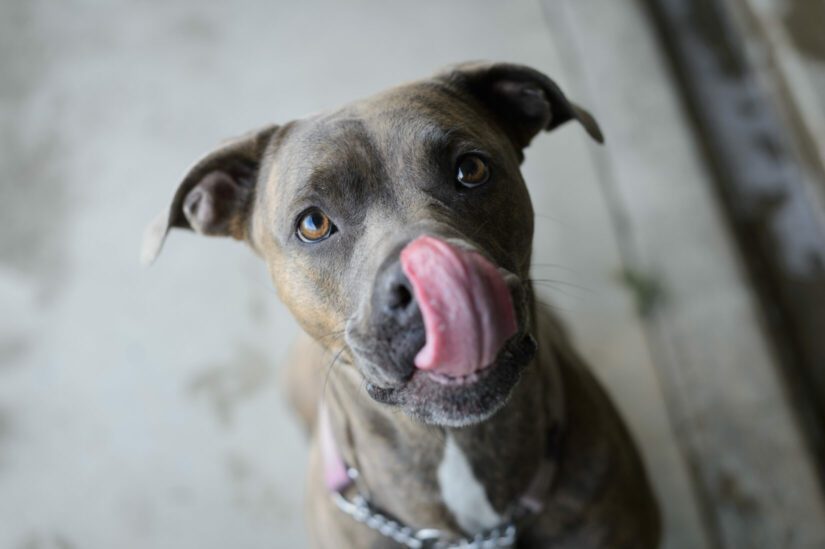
462 492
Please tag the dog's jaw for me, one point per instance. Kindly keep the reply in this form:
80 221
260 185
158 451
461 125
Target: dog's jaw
460 403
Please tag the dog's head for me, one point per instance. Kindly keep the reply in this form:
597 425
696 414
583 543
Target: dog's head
398 230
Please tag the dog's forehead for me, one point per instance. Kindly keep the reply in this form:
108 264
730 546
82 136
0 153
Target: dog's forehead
376 135
424 110
411 104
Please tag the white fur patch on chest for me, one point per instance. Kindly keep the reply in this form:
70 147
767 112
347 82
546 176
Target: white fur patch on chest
462 493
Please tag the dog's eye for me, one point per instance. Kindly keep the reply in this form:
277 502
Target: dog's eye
472 170
314 226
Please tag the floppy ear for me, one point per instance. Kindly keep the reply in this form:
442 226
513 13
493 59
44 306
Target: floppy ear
216 195
523 100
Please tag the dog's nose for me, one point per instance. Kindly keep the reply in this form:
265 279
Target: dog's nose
396 321
397 296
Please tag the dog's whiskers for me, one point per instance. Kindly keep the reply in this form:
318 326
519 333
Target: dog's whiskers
329 368
550 306
545 265
551 283
550 287
550 218
332 334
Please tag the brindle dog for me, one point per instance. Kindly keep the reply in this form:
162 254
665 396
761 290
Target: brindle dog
329 202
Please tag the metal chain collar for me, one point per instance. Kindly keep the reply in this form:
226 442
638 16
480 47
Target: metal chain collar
427 538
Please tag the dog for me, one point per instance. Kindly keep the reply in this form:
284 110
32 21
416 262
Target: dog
446 407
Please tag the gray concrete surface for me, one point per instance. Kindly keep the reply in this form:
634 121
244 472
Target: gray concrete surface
141 408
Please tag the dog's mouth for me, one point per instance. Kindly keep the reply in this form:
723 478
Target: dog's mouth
466 305
463 352
458 401
459 380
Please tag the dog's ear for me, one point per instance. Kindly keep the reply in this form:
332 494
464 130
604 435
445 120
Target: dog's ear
523 100
216 194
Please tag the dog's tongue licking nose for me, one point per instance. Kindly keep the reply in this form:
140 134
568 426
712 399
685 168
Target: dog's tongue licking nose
466 306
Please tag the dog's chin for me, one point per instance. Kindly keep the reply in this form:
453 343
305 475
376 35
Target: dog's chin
458 402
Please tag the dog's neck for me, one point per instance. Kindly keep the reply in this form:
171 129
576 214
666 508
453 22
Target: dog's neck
447 478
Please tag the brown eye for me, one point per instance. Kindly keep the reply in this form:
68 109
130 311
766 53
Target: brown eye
472 170
314 226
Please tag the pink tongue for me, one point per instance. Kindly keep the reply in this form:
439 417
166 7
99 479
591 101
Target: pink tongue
467 310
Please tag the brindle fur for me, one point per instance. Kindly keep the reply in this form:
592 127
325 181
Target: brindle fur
381 168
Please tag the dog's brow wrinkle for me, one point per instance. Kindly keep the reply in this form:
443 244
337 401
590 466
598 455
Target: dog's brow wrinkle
432 134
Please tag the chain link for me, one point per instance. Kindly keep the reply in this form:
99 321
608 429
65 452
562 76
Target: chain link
428 538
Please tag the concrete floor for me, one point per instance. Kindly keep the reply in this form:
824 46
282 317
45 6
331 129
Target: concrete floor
142 408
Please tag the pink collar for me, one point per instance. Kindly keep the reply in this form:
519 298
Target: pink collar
336 476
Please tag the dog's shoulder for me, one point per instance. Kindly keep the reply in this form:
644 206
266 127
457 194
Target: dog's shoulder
601 497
